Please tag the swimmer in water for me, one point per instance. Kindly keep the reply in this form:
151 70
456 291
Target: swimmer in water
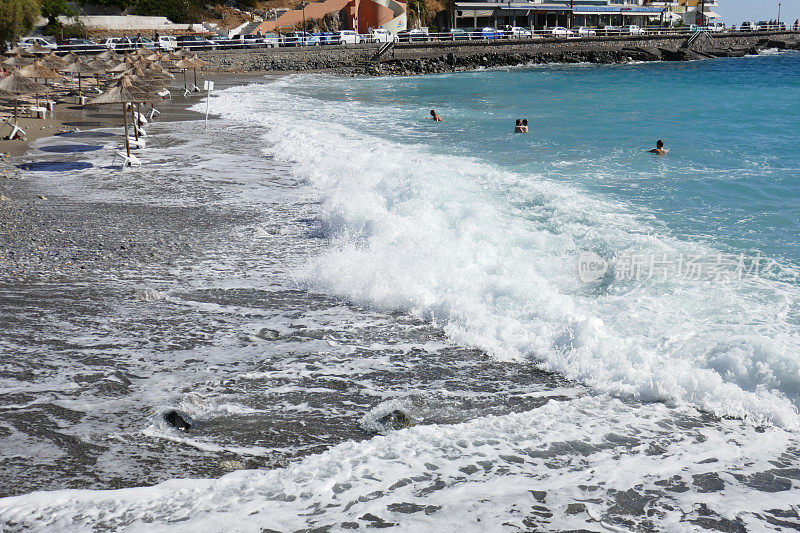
659 149
435 116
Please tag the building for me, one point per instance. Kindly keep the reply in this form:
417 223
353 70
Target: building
542 14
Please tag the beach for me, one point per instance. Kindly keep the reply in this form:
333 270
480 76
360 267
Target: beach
376 320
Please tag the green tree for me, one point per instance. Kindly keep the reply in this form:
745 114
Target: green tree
17 18
178 11
51 10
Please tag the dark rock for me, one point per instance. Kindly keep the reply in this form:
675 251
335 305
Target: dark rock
180 420
397 419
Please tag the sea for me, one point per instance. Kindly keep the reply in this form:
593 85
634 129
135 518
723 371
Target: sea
376 320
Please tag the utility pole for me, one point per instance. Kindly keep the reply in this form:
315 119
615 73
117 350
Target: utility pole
779 15
571 13
702 13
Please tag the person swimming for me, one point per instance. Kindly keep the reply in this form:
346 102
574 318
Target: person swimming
659 149
518 127
435 116
524 125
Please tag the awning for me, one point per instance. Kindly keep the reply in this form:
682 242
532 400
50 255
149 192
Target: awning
712 15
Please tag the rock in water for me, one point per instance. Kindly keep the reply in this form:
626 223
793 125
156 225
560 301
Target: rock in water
268 334
180 420
397 419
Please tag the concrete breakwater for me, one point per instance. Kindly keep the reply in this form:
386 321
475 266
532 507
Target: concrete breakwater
448 56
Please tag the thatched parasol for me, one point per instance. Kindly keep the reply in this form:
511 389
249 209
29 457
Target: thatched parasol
123 92
17 60
71 57
81 69
52 61
21 51
16 84
108 54
39 49
38 71
197 63
184 65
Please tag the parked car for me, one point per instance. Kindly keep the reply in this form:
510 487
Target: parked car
26 42
490 33
144 42
763 25
248 40
611 30
80 46
167 42
345 37
517 32
195 42
271 40
381 35
118 44
748 25
716 27
417 34
455 34
583 31
559 31
632 30
301 38
223 41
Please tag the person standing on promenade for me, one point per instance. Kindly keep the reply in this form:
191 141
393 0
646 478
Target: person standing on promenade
797 25
435 116
659 149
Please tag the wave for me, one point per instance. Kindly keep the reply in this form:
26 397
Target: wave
490 255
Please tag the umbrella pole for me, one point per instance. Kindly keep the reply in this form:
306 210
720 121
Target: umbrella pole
80 92
195 79
184 79
125 119
135 124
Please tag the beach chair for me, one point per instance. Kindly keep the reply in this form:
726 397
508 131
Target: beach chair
137 143
15 130
126 161
38 112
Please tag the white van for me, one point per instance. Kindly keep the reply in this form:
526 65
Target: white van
381 35
167 42
346 37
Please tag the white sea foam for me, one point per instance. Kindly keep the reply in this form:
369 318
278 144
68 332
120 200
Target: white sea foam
566 465
490 256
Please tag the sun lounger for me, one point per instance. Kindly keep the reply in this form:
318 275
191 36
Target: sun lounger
15 130
126 161
38 112
136 143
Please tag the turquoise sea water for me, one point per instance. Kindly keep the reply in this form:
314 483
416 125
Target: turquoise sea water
732 128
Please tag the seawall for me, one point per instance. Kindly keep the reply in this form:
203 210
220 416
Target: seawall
444 56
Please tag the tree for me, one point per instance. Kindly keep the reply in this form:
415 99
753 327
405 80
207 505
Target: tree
51 10
17 18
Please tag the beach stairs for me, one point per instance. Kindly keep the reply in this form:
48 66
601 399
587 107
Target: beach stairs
382 51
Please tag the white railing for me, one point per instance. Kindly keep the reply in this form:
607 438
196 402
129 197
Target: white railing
195 43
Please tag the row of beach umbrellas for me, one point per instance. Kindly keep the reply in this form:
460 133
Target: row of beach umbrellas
130 79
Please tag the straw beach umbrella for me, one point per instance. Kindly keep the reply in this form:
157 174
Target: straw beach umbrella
39 49
184 65
38 71
52 61
80 69
108 54
198 63
124 92
16 84
17 60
